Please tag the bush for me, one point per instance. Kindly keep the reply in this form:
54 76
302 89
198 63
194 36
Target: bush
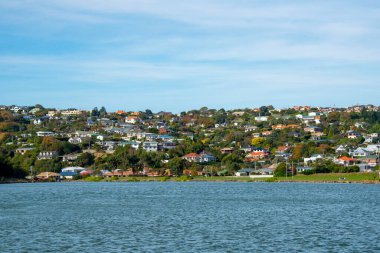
308 172
164 179
271 180
93 179
183 178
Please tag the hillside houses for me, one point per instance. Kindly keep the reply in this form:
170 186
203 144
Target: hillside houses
227 140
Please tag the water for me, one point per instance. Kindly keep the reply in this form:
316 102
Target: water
189 217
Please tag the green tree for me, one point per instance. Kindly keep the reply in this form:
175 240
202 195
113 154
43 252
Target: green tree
176 165
280 171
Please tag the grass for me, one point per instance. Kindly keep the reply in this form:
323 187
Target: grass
330 177
334 177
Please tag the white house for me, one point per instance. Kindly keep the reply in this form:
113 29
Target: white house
312 158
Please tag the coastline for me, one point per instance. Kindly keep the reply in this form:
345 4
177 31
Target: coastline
335 178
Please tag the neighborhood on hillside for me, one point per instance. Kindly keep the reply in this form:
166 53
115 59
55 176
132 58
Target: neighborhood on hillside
51 144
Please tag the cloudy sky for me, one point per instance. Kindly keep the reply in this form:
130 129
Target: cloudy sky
179 55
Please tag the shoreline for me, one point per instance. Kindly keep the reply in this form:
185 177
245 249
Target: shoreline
318 178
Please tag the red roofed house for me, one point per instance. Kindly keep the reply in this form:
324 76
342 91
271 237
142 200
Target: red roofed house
192 157
346 161
256 155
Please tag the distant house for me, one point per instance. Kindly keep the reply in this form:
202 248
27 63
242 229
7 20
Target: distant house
132 120
313 158
257 155
48 175
266 133
70 158
22 151
72 112
47 155
301 169
249 128
256 135
75 140
313 129
353 135
168 145
226 150
150 146
44 134
345 161
360 152
244 172
279 127
282 151
341 149
68 175
199 158
261 118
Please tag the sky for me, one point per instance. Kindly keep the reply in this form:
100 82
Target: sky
175 55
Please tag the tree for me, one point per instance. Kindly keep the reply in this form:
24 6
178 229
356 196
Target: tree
258 141
85 159
176 165
95 112
280 170
102 112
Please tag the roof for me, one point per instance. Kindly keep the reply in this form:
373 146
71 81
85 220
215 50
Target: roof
48 174
68 174
345 158
192 155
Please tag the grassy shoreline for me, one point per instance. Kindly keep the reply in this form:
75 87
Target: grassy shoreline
364 178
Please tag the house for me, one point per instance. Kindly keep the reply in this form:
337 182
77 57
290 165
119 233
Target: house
373 149
150 146
353 135
249 128
360 152
70 158
22 151
44 134
244 172
132 120
282 151
279 127
266 133
226 150
345 161
199 158
256 135
205 157
75 140
192 157
341 149
73 169
37 121
68 175
301 169
313 158
72 112
71 172
48 175
120 112
262 118
134 144
46 155
313 129
257 155
86 173
168 145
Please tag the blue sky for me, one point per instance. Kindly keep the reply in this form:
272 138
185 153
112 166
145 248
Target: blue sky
180 55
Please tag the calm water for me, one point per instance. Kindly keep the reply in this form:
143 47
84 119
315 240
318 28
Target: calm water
189 217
